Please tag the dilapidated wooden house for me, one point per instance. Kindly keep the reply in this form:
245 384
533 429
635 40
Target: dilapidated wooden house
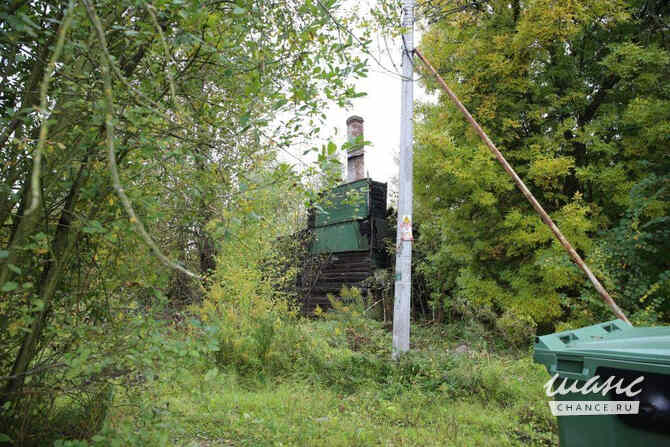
348 231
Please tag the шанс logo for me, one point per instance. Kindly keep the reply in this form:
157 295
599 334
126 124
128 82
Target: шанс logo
593 407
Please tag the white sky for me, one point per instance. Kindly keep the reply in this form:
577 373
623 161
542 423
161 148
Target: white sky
380 109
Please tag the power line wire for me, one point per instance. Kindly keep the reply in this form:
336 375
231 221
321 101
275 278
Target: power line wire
361 45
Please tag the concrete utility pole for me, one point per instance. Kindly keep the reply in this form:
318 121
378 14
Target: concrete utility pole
403 260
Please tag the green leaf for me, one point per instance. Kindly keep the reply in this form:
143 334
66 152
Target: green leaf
93 226
14 268
40 236
9 286
211 374
4 254
280 103
239 11
5 438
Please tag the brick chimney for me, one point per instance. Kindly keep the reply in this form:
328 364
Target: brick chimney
355 155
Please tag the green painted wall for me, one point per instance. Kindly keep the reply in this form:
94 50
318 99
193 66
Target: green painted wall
346 211
343 236
344 203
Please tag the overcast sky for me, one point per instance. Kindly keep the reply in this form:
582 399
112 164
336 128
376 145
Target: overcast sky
380 109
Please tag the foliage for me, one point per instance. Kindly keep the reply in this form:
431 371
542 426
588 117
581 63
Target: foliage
633 252
351 312
575 94
197 106
194 103
432 397
247 371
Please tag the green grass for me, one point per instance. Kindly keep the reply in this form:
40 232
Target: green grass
305 414
332 395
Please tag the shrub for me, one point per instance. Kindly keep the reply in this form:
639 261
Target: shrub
516 329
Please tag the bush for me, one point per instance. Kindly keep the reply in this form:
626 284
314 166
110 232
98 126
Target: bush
350 314
516 329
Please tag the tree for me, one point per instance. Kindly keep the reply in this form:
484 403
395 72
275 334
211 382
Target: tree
574 94
188 100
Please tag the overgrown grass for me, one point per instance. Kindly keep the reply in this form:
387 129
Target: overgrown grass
331 382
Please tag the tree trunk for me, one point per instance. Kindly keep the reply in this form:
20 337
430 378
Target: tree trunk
51 275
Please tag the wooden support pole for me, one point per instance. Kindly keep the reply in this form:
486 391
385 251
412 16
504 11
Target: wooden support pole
526 192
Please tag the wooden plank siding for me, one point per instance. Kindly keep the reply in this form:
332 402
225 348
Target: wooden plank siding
353 255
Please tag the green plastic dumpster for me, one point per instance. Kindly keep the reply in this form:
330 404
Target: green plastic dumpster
593 360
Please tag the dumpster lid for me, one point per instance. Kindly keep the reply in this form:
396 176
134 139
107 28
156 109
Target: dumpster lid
614 340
